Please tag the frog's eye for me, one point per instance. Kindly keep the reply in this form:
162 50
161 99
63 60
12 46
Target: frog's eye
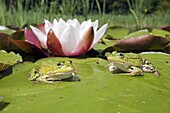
36 71
71 62
121 55
59 64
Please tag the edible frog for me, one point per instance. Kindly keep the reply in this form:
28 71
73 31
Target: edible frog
50 72
121 67
129 60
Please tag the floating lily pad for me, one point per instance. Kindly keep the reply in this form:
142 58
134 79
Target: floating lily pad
154 32
142 40
141 43
117 32
8 59
98 90
5 29
138 33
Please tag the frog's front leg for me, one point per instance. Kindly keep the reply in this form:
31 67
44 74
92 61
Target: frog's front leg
73 77
112 68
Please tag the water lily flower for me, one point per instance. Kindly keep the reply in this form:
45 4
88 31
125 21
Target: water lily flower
66 38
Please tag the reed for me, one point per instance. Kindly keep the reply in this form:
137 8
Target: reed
21 12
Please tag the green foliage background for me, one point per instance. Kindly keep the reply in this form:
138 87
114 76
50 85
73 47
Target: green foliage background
150 13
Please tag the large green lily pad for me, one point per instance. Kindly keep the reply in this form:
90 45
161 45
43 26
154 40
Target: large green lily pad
154 32
117 32
98 91
8 59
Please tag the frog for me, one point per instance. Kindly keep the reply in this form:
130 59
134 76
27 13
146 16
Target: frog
51 71
121 67
128 61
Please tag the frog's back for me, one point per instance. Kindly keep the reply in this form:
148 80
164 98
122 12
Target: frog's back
133 59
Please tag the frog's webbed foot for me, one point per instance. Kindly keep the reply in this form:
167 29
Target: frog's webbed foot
156 73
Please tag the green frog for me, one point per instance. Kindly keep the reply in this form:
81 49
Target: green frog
50 72
121 67
129 61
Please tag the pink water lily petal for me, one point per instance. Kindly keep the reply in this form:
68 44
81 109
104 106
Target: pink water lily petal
54 45
31 37
41 27
61 21
75 23
84 28
99 34
89 21
69 21
95 25
40 35
58 28
68 39
48 25
84 44
27 47
85 25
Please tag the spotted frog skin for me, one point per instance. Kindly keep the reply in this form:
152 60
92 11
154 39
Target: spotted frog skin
50 72
123 62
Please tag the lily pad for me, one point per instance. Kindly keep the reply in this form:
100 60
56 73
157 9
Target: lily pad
141 43
98 90
5 29
154 32
8 59
117 32
142 40
138 33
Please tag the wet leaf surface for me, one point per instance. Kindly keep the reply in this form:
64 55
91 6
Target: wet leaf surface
142 40
98 90
117 32
141 43
8 59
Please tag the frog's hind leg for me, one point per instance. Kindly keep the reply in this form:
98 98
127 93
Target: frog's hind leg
135 71
148 67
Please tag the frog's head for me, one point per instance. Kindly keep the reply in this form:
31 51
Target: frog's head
52 70
127 58
115 57
56 68
65 67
